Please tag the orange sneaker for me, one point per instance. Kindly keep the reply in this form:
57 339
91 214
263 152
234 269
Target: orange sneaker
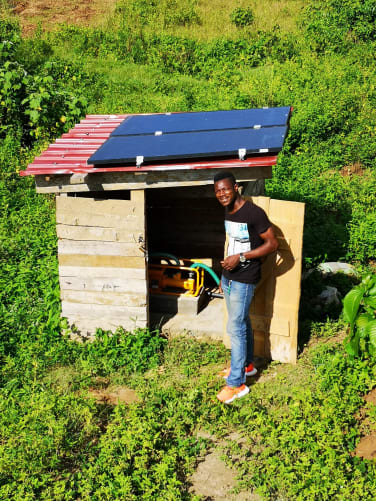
228 394
250 370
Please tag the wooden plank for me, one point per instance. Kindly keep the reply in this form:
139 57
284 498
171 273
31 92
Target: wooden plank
275 325
69 232
101 261
100 206
88 272
94 248
107 181
97 311
86 326
107 298
73 218
263 202
281 348
105 284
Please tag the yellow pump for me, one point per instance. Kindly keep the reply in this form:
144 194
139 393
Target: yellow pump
175 280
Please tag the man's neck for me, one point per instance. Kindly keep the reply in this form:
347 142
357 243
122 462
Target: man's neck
238 204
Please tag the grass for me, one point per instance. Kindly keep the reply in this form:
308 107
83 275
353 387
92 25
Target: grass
214 16
291 426
298 422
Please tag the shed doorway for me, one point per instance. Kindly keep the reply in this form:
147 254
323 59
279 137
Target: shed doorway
185 225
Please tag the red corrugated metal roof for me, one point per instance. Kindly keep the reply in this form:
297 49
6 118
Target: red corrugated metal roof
69 154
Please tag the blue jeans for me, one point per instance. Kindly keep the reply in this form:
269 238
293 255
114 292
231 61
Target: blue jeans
238 298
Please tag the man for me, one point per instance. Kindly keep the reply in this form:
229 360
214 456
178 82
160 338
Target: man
250 237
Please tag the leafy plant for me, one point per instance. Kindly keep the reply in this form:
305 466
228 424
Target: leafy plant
359 310
242 16
180 14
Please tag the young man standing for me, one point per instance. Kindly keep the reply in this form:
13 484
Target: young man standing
250 237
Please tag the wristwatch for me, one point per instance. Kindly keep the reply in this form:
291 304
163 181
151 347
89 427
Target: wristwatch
242 258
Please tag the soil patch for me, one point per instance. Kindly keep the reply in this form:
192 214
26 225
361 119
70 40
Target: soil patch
353 169
115 395
214 480
371 397
366 448
50 13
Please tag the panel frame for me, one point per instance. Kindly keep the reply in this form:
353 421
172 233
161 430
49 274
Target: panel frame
172 123
210 144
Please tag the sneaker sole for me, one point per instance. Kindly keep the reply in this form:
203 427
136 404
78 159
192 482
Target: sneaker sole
237 395
252 373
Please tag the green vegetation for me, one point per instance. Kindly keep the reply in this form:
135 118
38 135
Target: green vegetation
359 308
242 17
299 424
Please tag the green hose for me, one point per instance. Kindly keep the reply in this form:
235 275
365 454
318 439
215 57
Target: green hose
208 269
166 255
194 265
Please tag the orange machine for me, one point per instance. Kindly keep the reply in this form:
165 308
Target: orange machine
175 280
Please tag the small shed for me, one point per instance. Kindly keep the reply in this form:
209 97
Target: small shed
111 218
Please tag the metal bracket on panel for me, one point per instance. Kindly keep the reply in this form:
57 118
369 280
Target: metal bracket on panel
139 161
158 133
257 126
242 153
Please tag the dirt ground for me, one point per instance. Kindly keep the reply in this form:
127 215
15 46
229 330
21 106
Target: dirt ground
213 479
114 396
49 13
366 447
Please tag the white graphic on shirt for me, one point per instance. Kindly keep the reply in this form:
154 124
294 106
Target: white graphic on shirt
238 237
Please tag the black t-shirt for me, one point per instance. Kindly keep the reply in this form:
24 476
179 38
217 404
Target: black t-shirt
243 230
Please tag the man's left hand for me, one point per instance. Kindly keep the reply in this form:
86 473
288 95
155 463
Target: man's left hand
231 262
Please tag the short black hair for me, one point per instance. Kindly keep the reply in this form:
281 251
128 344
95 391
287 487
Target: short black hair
224 175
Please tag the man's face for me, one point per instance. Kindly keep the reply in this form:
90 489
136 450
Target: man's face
226 192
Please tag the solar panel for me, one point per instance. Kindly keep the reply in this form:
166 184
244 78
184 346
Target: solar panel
204 120
211 134
203 144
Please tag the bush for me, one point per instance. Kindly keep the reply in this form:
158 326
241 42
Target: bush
242 16
336 25
176 14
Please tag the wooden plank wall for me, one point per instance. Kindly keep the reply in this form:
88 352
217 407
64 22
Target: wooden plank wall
101 265
275 308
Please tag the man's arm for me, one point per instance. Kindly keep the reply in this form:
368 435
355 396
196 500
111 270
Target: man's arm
270 245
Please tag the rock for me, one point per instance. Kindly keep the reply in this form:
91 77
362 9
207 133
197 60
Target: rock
336 267
329 295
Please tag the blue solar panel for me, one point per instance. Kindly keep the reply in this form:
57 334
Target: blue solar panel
203 121
203 144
